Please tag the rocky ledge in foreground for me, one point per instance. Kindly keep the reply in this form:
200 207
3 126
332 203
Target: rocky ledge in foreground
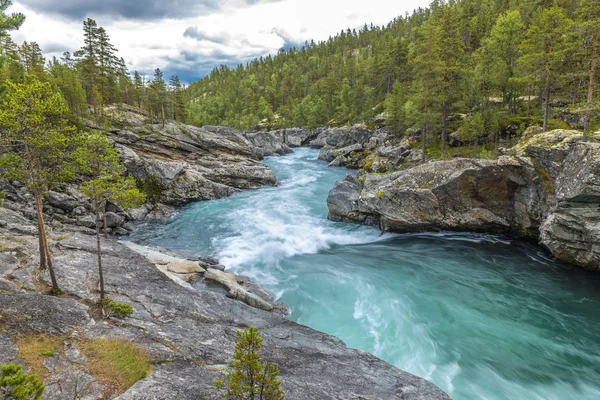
188 333
547 187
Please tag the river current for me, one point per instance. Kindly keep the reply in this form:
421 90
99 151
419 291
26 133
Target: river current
480 316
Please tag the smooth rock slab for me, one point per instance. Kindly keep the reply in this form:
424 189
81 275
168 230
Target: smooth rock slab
45 314
235 290
185 267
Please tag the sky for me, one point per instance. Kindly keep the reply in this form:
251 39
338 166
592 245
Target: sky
190 37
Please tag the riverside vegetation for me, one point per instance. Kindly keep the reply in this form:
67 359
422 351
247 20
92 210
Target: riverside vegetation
460 72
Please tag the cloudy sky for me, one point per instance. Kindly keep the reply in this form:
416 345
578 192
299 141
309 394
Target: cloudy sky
191 37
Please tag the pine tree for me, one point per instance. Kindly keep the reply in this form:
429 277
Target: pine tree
589 21
9 22
499 55
100 162
66 79
547 48
427 65
452 64
249 378
17 385
138 89
89 62
36 142
32 60
177 99
159 94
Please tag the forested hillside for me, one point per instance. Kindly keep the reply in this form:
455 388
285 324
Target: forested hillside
89 78
478 66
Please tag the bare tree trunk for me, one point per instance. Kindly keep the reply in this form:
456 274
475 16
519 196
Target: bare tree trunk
423 140
40 215
104 225
593 69
41 246
546 106
444 127
99 250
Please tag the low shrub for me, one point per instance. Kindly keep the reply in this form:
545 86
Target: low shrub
111 308
17 385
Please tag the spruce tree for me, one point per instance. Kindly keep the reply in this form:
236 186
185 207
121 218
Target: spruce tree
17 385
249 378
36 143
9 22
100 162
547 49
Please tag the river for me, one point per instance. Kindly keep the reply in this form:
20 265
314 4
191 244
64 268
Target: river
480 316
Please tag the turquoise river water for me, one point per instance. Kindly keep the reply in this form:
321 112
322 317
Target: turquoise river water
481 316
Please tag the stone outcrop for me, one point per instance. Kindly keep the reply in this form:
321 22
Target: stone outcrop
267 144
183 163
548 186
187 332
572 229
463 194
295 137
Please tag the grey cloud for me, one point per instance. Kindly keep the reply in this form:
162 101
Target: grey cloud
191 66
128 9
194 33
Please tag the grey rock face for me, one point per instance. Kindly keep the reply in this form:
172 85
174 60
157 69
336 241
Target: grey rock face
296 137
548 188
267 144
185 163
45 314
475 195
343 200
572 230
62 201
113 220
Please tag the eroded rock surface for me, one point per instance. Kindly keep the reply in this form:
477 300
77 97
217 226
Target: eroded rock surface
548 186
188 333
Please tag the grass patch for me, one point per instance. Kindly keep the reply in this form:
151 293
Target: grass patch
35 349
115 363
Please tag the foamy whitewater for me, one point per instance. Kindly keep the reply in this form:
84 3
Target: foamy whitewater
482 317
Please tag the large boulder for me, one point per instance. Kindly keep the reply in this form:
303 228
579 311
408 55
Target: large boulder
62 201
343 200
548 187
295 137
463 194
267 144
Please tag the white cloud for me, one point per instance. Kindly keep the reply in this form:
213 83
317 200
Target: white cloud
235 32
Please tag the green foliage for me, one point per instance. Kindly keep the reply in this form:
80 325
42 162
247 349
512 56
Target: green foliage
9 22
112 308
249 378
100 161
17 385
2 197
36 139
152 188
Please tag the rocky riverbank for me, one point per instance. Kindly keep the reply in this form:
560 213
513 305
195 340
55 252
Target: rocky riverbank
174 164
188 333
547 187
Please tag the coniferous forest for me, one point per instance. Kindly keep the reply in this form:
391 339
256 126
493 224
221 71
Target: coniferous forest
484 68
